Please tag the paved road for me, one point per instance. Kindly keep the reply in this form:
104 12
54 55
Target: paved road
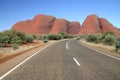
67 60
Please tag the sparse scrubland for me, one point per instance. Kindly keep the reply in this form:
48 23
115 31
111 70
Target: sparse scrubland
12 40
107 41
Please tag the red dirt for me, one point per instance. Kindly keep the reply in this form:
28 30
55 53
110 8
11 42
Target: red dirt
8 57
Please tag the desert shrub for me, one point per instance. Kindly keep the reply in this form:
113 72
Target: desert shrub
15 47
35 37
4 39
40 37
54 36
99 38
16 40
10 33
109 39
65 35
21 35
91 38
107 33
117 45
45 40
44 37
29 38
14 33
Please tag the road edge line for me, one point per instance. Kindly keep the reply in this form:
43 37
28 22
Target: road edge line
4 75
100 52
67 44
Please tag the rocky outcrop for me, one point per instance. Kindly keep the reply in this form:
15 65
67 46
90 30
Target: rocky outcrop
73 28
107 26
93 24
59 25
23 26
90 25
43 24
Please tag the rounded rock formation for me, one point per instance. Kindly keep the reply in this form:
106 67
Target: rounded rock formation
73 28
107 26
59 25
42 24
90 25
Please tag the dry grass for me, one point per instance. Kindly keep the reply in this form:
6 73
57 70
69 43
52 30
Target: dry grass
105 48
9 50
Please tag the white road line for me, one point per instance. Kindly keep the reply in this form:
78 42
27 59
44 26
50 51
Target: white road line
102 52
67 44
76 61
21 63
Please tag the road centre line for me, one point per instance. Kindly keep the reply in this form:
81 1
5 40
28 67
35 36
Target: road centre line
22 63
67 44
76 61
101 52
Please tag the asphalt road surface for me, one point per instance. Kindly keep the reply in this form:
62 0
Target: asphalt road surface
67 60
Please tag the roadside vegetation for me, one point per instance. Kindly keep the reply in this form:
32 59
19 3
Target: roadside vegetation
107 38
15 38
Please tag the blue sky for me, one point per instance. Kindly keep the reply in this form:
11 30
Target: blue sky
12 11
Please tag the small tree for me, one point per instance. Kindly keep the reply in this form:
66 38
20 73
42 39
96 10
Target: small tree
4 39
91 38
109 39
65 35
16 40
14 33
54 36
29 38
107 33
117 45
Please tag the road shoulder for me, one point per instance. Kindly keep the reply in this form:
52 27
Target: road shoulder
99 49
9 64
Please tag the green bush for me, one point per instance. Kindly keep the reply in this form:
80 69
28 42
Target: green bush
109 39
45 40
64 35
16 40
14 33
29 38
99 38
40 37
54 37
35 37
15 47
117 45
107 33
91 38
4 39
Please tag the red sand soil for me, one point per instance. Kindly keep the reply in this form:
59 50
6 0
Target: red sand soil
8 57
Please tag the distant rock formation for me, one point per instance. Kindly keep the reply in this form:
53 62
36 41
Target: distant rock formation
93 24
43 24
107 26
73 28
59 25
